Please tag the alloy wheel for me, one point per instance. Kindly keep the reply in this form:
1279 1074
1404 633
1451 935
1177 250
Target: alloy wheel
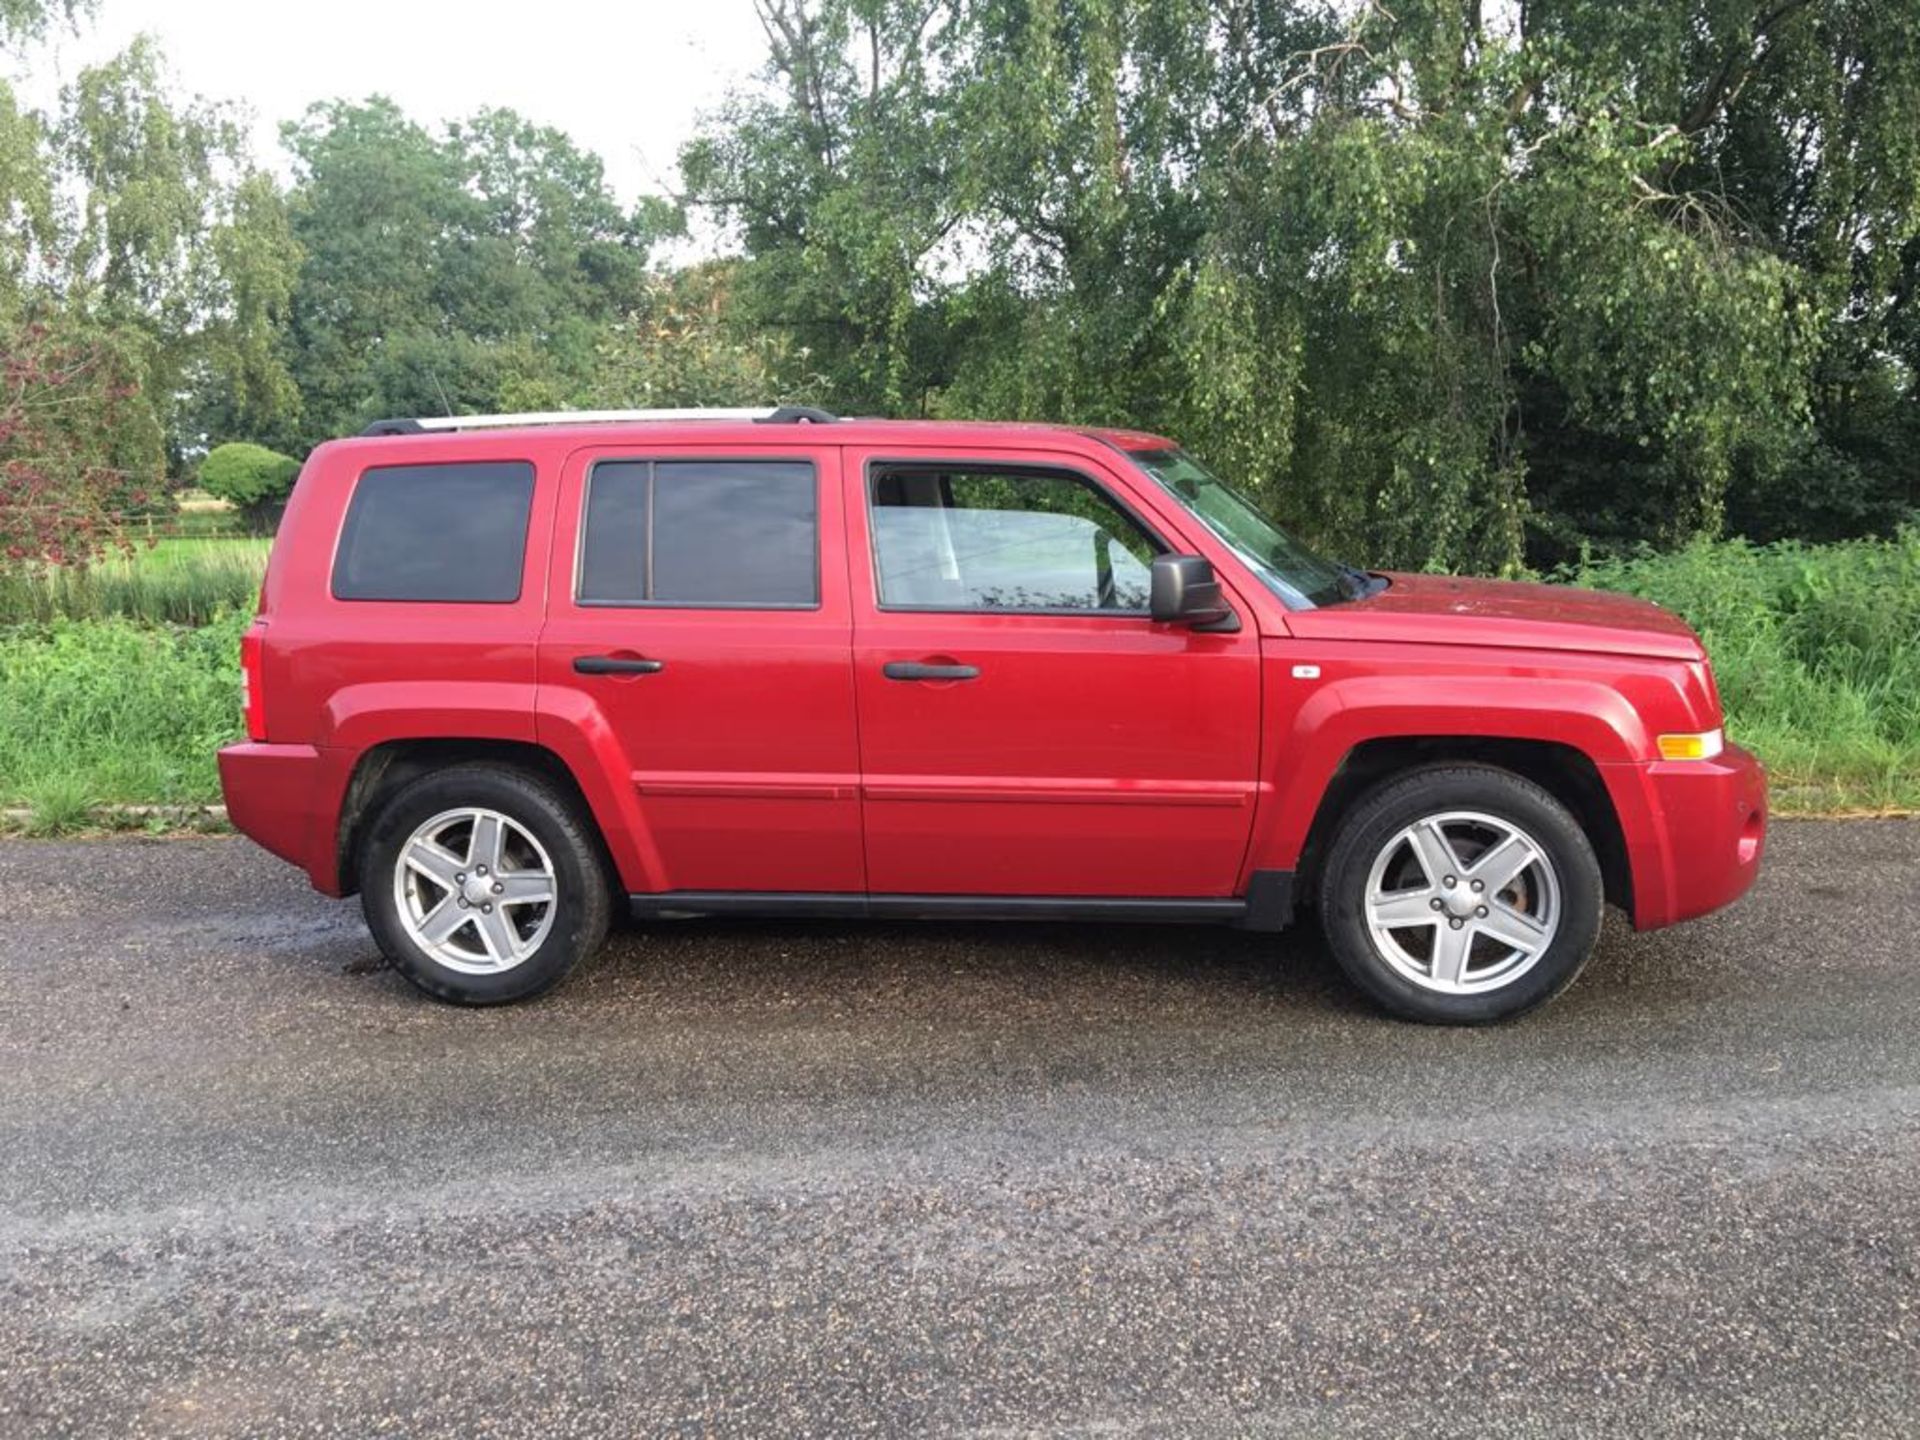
475 890
1462 902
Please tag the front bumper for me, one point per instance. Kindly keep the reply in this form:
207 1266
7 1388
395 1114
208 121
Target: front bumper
1704 836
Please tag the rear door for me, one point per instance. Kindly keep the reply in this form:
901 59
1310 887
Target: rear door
699 603
1026 728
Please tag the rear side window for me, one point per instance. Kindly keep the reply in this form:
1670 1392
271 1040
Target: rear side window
701 533
436 532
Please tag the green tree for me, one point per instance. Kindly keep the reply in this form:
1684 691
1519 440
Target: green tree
174 241
22 20
145 267
476 269
685 343
843 180
1448 284
26 188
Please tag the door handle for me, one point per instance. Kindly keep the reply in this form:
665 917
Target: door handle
615 665
918 670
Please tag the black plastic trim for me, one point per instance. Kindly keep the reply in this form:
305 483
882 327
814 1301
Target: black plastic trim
1269 900
799 415
918 670
806 904
615 665
395 427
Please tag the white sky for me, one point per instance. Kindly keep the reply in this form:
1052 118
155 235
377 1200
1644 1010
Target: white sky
626 80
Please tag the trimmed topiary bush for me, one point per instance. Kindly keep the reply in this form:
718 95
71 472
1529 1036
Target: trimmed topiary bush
251 478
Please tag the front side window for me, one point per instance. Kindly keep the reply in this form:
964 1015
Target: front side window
957 537
701 533
454 533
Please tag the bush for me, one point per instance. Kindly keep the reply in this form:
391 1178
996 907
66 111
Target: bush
249 477
1815 651
114 711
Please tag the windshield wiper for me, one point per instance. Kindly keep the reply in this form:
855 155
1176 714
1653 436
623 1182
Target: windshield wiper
1355 583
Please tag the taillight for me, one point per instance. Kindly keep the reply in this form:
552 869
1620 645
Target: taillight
253 692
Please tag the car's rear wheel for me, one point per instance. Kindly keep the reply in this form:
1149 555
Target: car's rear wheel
1461 895
482 884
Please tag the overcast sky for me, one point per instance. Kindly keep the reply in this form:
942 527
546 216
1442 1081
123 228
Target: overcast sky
627 80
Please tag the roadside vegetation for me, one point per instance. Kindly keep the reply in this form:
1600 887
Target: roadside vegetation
117 687
1817 653
115 711
175 582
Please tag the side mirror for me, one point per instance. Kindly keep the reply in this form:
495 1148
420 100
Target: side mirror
1184 591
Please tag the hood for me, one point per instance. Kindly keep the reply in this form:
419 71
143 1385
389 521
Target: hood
1445 610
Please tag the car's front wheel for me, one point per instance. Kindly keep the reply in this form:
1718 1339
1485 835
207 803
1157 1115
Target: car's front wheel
482 884
1460 895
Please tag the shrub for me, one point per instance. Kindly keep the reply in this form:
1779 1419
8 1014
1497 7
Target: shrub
113 711
1814 648
249 477
79 450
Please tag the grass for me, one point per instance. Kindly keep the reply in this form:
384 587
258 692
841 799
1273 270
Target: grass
57 805
115 711
1817 652
117 687
176 582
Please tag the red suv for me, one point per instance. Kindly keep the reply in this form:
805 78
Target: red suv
509 670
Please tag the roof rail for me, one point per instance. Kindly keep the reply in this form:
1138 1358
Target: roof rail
430 424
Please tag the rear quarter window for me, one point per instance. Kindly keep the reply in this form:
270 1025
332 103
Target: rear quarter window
451 533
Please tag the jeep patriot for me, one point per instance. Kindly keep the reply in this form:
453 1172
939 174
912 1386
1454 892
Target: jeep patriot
511 671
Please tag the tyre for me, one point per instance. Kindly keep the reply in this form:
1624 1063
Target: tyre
1460 895
483 884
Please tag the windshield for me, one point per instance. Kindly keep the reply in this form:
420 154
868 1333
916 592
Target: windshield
1290 570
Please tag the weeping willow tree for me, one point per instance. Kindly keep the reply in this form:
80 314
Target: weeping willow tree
1447 284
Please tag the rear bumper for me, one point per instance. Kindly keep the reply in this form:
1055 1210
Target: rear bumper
1705 834
277 796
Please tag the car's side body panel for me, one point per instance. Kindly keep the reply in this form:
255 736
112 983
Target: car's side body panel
1093 754
1324 700
337 671
739 755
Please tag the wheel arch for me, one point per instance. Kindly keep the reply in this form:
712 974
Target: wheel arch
383 769
1564 771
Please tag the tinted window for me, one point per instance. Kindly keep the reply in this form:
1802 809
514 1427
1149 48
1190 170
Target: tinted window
1005 540
436 532
701 532
613 548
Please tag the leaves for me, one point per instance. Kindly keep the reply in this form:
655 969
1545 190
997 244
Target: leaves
1446 287
472 269
247 475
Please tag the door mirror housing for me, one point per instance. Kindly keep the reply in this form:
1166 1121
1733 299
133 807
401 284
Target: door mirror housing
1185 591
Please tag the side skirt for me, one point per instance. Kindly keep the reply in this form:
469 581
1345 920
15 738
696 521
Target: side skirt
1268 906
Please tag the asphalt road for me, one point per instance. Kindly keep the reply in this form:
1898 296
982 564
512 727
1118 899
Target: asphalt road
825 1179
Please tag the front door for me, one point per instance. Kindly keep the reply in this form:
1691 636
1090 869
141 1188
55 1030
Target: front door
706 626
1025 727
